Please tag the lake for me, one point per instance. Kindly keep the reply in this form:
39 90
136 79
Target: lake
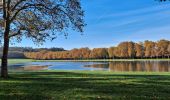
114 66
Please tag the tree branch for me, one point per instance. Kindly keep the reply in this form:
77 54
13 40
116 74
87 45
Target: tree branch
15 6
25 7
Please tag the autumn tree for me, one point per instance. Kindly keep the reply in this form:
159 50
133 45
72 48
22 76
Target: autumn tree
99 53
93 53
162 47
103 53
149 49
117 52
76 53
111 52
40 55
131 50
123 47
168 49
85 52
38 20
139 50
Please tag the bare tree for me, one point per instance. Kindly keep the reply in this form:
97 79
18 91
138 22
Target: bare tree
39 20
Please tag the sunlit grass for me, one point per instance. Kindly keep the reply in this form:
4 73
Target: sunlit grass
85 85
15 61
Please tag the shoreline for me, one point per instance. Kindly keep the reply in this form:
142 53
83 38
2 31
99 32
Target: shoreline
101 60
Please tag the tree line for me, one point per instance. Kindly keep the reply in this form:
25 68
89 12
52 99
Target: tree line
125 50
18 52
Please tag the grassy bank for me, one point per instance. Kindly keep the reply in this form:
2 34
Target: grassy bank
85 85
15 61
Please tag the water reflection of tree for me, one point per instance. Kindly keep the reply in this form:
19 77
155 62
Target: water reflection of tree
28 68
99 66
149 66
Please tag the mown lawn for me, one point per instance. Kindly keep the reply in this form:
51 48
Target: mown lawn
85 85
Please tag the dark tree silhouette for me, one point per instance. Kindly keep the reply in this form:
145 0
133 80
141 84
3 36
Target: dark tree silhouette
39 20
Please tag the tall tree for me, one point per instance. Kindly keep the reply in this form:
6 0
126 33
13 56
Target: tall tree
85 52
111 51
76 53
39 20
123 47
131 49
162 47
168 49
149 49
139 49
100 53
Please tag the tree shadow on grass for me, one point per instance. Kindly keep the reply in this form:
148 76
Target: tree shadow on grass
75 85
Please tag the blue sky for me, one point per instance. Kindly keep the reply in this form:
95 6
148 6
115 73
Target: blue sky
110 22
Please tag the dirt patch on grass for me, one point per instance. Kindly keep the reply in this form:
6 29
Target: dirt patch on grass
33 68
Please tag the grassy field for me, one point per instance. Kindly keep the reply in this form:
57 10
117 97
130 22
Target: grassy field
85 85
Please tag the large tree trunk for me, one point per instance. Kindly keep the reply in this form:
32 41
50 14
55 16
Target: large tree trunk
4 63
4 60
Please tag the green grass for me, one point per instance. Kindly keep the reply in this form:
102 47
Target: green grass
85 85
15 61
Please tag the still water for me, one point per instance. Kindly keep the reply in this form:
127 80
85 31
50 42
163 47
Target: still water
117 66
